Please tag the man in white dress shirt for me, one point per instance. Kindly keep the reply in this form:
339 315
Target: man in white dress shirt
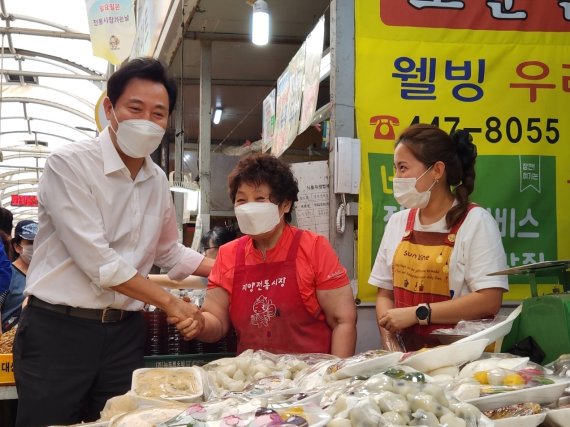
106 216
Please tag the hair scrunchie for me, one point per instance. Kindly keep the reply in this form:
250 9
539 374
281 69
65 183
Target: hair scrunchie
466 150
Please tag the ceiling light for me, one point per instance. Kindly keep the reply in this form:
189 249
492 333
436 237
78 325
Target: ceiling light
260 23
217 115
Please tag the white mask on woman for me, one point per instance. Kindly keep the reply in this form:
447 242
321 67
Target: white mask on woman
257 217
408 196
138 138
27 252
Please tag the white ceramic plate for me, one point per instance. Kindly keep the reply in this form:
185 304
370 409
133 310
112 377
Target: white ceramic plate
524 421
457 354
542 394
370 364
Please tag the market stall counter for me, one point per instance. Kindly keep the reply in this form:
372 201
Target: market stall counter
473 389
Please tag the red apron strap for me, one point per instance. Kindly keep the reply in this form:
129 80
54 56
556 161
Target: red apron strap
410 224
450 241
292 255
240 253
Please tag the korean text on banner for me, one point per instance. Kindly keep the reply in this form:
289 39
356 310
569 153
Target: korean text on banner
498 69
112 28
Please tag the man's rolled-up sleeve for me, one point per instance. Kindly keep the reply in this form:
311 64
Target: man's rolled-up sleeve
189 262
178 260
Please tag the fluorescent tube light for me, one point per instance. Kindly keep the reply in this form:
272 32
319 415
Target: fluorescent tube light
260 23
217 116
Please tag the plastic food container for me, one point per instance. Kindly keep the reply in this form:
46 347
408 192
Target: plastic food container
180 384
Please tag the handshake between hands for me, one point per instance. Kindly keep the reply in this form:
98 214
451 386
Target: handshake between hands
187 318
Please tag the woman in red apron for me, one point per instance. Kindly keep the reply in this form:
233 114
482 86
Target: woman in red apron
432 265
283 289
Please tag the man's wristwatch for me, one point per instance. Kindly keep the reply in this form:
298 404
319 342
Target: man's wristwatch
423 313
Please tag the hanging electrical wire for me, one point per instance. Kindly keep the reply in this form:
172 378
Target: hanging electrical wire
239 124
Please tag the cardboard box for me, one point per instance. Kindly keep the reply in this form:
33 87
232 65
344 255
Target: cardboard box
6 369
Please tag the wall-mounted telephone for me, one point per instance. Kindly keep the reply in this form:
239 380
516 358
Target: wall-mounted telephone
384 126
347 166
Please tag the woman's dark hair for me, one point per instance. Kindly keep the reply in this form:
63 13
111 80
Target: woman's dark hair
218 235
14 255
141 68
6 219
430 144
260 169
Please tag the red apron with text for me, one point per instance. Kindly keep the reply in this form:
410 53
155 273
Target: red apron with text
421 275
267 311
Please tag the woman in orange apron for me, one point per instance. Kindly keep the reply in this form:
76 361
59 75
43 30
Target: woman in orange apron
432 265
283 289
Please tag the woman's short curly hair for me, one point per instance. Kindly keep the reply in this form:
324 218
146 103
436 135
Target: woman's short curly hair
260 169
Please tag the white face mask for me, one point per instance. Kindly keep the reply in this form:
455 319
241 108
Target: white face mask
27 252
408 196
138 138
257 217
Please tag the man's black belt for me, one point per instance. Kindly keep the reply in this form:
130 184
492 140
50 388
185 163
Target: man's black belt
105 315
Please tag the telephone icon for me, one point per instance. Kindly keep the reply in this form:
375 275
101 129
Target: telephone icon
384 126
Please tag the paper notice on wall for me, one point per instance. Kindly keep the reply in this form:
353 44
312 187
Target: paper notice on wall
281 102
288 108
268 121
112 28
312 209
313 56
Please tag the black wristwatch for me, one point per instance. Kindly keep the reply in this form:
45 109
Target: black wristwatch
423 313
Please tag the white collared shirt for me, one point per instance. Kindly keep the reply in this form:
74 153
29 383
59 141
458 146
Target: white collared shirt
98 227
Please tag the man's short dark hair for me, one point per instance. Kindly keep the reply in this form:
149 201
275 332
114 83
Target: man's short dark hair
141 68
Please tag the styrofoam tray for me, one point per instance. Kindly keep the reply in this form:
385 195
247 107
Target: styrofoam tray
497 331
557 417
182 384
542 394
367 362
91 424
457 353
148 416
523 421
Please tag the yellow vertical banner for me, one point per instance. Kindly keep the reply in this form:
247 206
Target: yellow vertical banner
498 69
112 28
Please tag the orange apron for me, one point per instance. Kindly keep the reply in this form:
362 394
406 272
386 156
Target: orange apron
420 269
